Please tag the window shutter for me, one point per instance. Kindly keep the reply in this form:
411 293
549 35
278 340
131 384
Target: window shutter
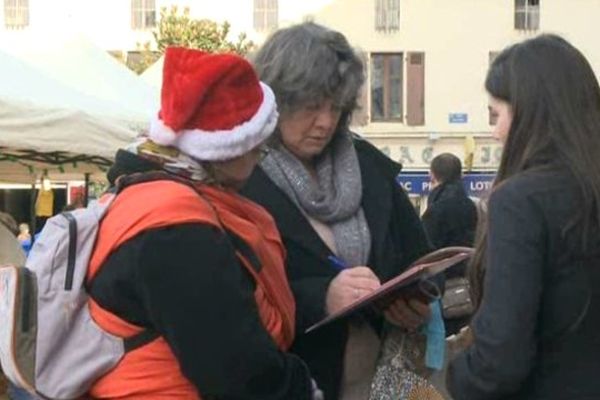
415 89
379 15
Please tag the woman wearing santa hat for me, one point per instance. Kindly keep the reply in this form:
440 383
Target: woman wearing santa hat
182 256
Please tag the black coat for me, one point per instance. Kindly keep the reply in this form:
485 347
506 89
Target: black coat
450 219
537 332
397 240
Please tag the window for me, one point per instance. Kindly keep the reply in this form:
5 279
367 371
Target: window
387 15
492 116
387 71
266 15
527 14
143 14
388 88
16 14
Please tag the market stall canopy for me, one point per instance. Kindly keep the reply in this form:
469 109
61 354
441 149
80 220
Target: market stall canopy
153 75
62 144
22 83
40 115
74 61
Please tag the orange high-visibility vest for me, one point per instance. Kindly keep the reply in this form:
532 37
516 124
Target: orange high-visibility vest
152 371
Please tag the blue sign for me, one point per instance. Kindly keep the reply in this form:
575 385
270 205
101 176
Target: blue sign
458 118
419 183
477 185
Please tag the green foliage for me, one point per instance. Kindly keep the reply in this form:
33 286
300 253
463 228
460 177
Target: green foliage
144 58
177 28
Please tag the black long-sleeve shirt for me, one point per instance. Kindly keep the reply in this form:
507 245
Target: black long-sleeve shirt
186 283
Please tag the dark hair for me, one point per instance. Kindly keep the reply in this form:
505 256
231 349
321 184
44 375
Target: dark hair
446 168
308 63
555 102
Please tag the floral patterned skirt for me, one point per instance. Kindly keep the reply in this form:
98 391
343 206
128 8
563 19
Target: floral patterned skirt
401 373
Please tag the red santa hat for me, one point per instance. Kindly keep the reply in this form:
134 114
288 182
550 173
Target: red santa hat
213 107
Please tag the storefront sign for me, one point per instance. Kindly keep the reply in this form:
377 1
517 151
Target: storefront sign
478 184
419 184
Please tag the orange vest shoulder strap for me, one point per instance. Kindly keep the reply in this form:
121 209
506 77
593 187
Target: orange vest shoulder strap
146 206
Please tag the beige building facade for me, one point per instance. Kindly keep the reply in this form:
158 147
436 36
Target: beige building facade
426 59
119 25
455 41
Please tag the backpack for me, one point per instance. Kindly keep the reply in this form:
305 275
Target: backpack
49 344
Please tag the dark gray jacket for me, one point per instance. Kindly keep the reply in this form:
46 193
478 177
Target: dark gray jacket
537 333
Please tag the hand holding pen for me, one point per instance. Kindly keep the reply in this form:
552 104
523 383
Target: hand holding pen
350 284
337 263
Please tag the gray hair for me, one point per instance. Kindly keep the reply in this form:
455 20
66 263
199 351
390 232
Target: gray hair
308 63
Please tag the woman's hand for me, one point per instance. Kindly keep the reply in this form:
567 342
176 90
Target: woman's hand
408 314
349 285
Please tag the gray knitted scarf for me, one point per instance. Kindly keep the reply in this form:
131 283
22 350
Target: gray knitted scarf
334 198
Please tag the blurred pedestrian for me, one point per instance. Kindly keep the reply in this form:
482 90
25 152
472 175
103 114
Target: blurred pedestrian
24 237
450 220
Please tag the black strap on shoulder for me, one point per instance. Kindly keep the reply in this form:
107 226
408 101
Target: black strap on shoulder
141 339
244 249
72 249
143 177
148 335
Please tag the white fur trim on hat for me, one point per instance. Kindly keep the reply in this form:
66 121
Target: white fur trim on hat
161 133
224 144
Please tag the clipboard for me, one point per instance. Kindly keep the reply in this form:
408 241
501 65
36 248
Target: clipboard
414 282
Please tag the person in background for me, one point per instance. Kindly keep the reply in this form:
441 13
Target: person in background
535 333
450 219
24 237
346 225
182 256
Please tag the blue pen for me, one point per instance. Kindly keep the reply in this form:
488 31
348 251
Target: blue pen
337 263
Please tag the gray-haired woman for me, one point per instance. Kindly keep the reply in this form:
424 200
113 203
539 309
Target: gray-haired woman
333 194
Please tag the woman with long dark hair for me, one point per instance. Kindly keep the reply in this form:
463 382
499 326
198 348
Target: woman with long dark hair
537 270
